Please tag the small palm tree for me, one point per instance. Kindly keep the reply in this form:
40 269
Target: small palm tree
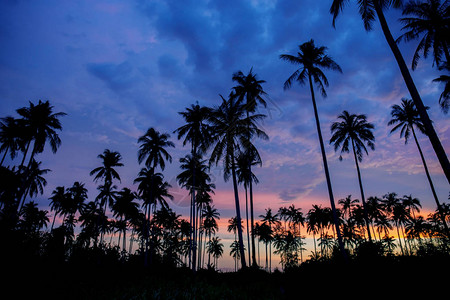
311 60
215 247
110 160
125 208
369 9
34 180
405 117
272 220
354 130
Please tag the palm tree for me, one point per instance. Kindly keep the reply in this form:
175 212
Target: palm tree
152 151
125 208
234 252
312 59
272 220
265 234
428 20
196 131
231 131
405 118
34 182
354 130
59 196
368 10
215 247
210 214
247 177
40 123
444 98
249 87
110 160
10 137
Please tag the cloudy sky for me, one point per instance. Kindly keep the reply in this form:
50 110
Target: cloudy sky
119 67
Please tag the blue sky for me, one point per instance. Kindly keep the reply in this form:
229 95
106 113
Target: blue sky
119 67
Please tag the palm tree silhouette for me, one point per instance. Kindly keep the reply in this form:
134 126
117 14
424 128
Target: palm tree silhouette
125 208
59 196
215 248
40 123
368 9
34 183
231 130
247 177
312 59
444 98
272 220
152 151
354 130
250 88
10 137
198 132
428 20
210 214
405 117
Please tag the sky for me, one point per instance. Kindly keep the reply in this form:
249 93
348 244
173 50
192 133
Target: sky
118 68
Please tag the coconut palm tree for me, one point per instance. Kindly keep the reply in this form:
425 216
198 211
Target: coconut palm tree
110 160
234 253
40 123
215 248
125 207
249 88
444 98
59 196
369 9
354 130
247 177
405 118
10 137
272 220
34 182
265 234
210 215
311 60
231 130
428 20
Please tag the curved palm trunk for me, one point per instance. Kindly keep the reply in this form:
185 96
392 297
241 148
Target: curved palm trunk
441 213
366 215
238 214
431 133
327 175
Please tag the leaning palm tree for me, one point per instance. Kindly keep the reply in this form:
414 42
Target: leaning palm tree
311 60
231 130
354 130
428 21
369 9
405 117
40 123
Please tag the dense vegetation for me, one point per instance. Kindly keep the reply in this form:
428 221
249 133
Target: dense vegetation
158 251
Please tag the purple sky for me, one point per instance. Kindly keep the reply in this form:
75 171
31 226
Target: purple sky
119 67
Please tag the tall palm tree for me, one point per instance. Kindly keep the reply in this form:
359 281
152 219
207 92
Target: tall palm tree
311 60
153 151
197 132
231 130
249 88
430 21
406 117
369 9
354 130
40 123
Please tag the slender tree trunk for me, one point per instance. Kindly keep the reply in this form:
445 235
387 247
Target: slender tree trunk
441 213
238 213
399 239
25 154
252 223
363 199
327 175
431 133
246 216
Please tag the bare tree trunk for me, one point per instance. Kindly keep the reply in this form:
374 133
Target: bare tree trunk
238 214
